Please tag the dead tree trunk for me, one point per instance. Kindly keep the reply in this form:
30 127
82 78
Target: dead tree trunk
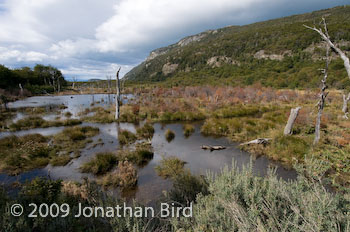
117 97
288 130
323 96
345 109
325 37
21 89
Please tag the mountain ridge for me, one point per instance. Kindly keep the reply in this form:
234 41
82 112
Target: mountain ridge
240 54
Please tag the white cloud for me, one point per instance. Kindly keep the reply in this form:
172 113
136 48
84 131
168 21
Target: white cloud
138 22
14 54
87 35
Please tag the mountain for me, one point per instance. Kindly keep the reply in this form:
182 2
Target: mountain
279 53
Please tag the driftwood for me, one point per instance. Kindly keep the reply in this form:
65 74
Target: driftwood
263 141
212 148
293 115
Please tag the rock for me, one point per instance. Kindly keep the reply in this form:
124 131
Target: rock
169 68
261 55
218 61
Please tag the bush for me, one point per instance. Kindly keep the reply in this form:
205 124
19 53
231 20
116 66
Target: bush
169 135
170 167
188 130
125 176
241 201
100 164
186 187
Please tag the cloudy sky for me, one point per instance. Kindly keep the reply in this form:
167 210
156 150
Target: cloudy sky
91 38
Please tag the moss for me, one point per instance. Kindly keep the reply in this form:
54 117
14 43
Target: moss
169 135
100 164
170 167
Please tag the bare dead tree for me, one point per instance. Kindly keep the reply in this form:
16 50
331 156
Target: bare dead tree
74 80
288 130
109 83
117 97
345 110
323 95
325 37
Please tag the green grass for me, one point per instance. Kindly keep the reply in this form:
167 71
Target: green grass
100 164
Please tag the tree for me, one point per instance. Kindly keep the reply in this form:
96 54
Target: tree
326 37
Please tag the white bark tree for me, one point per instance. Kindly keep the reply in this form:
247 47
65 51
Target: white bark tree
323 95
325 37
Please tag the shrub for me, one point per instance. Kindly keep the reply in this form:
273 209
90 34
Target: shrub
170 167
100 164
169 135
241 201
186 187
125 176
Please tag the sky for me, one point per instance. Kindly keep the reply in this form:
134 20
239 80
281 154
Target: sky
91 38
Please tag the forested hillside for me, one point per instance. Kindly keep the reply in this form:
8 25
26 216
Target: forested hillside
281 53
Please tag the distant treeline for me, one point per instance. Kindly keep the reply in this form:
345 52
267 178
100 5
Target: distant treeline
41 79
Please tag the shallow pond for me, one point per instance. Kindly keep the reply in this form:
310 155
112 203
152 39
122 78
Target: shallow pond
150 185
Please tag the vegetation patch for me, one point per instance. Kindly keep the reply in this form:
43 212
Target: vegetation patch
38 122
126 137
100 115
169 135
170 167
125 176
188 130
140 156
100 164
24 153
145 132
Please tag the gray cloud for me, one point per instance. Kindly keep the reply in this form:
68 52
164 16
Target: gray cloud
90 39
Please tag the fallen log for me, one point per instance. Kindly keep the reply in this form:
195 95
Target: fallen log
263 141
212 148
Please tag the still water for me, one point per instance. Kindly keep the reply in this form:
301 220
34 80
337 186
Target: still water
150 185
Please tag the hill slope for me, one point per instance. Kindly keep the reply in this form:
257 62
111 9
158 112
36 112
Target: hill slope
279 53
